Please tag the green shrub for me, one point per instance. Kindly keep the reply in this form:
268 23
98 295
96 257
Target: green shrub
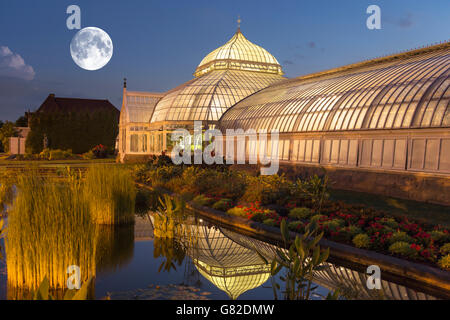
88 155
158 177
300 213
353 230
445 249
361 240
224 184
444 262
237 211
267 189
400 236
348 233
390 222
261 214
222 204
7 130
45 154
270 222
294 225
27 156
317 217
334 224
439 236
203 200
402 248
56 154
60 154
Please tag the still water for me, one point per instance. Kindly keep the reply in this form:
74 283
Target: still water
131 263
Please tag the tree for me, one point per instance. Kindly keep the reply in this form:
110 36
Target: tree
7 131
22 121
1 144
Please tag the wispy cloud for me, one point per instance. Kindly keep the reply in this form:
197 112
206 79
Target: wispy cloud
402 22
288 62
13 65
406 22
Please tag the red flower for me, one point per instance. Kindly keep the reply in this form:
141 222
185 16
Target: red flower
425 253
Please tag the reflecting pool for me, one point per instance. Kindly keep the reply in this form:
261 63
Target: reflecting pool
202 261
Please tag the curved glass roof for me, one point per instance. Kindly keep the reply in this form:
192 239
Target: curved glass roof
404 91
208 97
239 54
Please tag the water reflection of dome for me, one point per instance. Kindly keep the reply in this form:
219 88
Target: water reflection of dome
231 267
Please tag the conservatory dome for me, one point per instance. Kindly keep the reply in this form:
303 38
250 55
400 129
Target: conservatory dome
227 75
239 54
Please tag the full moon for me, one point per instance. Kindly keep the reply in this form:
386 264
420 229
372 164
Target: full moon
91 48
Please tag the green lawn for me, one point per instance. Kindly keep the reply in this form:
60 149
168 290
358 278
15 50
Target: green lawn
423 212
51 163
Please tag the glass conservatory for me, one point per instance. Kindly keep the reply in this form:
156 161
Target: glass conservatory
137 109
391 113
225 76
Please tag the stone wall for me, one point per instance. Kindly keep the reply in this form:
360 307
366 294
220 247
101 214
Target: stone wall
16 145
418 186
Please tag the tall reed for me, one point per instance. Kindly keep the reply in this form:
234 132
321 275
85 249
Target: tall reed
6 189
111 194
49 228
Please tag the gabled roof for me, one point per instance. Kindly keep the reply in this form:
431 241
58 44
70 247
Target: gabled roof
55 104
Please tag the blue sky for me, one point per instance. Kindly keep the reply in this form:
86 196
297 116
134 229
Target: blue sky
158 44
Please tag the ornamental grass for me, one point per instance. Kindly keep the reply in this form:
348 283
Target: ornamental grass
111 194
49 228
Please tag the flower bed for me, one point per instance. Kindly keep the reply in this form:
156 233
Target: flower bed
269 199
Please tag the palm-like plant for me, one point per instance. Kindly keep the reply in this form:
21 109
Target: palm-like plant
167 217
299 260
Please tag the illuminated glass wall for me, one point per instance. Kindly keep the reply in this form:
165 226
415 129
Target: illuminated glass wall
367 116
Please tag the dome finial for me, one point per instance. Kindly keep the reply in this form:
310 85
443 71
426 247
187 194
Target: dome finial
239 24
